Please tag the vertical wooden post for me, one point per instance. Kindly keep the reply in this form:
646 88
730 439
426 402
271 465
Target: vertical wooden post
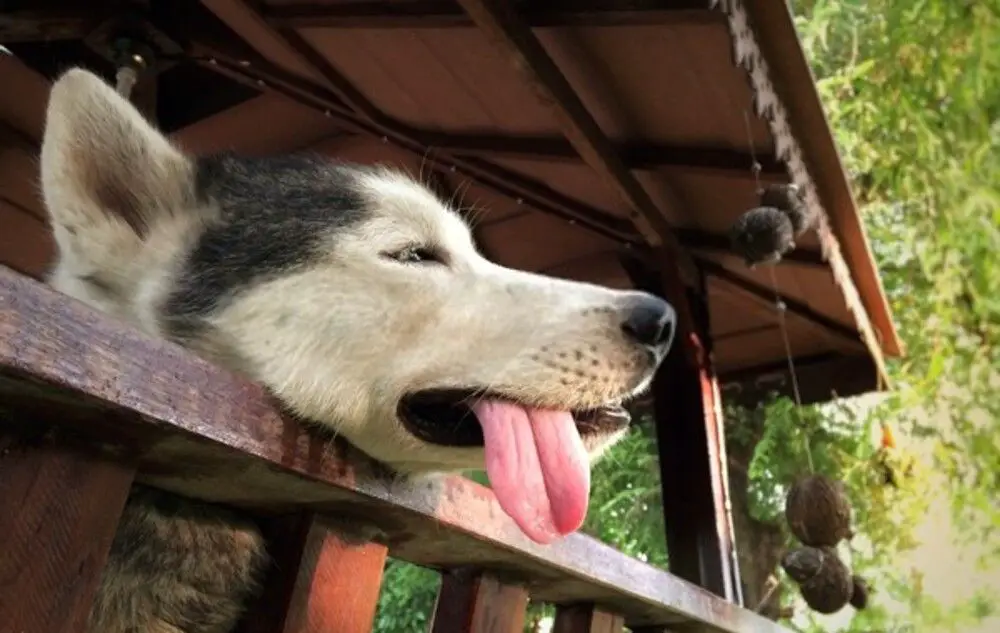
585 618
319 582
691 444
478 603
59 509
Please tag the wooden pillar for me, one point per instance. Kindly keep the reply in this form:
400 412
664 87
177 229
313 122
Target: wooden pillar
59 510
691 444
587 618
478 603
319 582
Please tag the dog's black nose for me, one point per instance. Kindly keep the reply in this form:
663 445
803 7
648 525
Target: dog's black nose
650 321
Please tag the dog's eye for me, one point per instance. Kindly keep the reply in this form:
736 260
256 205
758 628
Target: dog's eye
416 255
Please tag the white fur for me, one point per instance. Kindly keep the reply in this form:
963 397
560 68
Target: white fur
342 340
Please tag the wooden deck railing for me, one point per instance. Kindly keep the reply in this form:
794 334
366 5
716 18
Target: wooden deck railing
87 406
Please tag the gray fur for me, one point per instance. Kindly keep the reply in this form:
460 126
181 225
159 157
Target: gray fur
273 213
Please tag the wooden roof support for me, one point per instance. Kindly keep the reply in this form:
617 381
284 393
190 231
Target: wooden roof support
11 137
500 22
46 25
691 445
444 13
820 377
768 295
716 243
346 104
636 155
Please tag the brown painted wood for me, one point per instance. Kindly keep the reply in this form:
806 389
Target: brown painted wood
691 446
582 618
820 378
501 24
470 602
444 14
350 108
769 296
45 25
59 509
11 137
637 155
319 581
714 243
227 442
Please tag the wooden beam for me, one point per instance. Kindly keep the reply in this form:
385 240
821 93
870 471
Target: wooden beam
500 22
59 510
39 25
470 602
444 14
637 155
11 137
820 378
348 106
94 377
696 240
319 581
587 618
769 296
692 449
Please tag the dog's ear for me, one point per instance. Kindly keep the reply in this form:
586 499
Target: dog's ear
105 170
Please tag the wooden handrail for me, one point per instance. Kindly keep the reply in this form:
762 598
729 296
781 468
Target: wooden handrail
200 431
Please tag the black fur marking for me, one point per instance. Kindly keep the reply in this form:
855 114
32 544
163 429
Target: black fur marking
275 211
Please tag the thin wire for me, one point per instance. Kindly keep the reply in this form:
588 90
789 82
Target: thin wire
783 326
755 166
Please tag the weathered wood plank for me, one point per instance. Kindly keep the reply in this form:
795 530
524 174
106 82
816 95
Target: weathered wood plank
471 602
319 582
586 618
58 512
207 434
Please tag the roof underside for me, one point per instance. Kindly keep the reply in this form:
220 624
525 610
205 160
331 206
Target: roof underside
459 95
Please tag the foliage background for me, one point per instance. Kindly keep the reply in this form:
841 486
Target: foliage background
912 91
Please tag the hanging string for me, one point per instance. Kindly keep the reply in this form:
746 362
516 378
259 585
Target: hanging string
780 307
755 166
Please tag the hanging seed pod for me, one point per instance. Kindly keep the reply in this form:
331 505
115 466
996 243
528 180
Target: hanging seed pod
818 511
789 199
859 592
762 235
824 580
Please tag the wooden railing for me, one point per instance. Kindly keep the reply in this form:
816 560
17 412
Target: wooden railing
88 406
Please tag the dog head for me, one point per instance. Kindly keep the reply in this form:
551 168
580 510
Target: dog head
356 296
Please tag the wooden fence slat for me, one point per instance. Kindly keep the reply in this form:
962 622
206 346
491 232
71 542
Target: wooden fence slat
478 603
59 510
207 434
585 618
319 582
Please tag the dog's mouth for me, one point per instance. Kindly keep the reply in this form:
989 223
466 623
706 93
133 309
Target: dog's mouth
536 460
446 417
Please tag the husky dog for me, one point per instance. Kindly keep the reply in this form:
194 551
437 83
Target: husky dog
358 298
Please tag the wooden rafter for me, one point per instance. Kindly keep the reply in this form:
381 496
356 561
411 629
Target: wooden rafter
46 25
445 14
635 155
696 240
514 38
11 137
768 295
343 102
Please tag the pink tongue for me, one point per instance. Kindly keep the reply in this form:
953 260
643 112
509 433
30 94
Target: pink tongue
538 467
